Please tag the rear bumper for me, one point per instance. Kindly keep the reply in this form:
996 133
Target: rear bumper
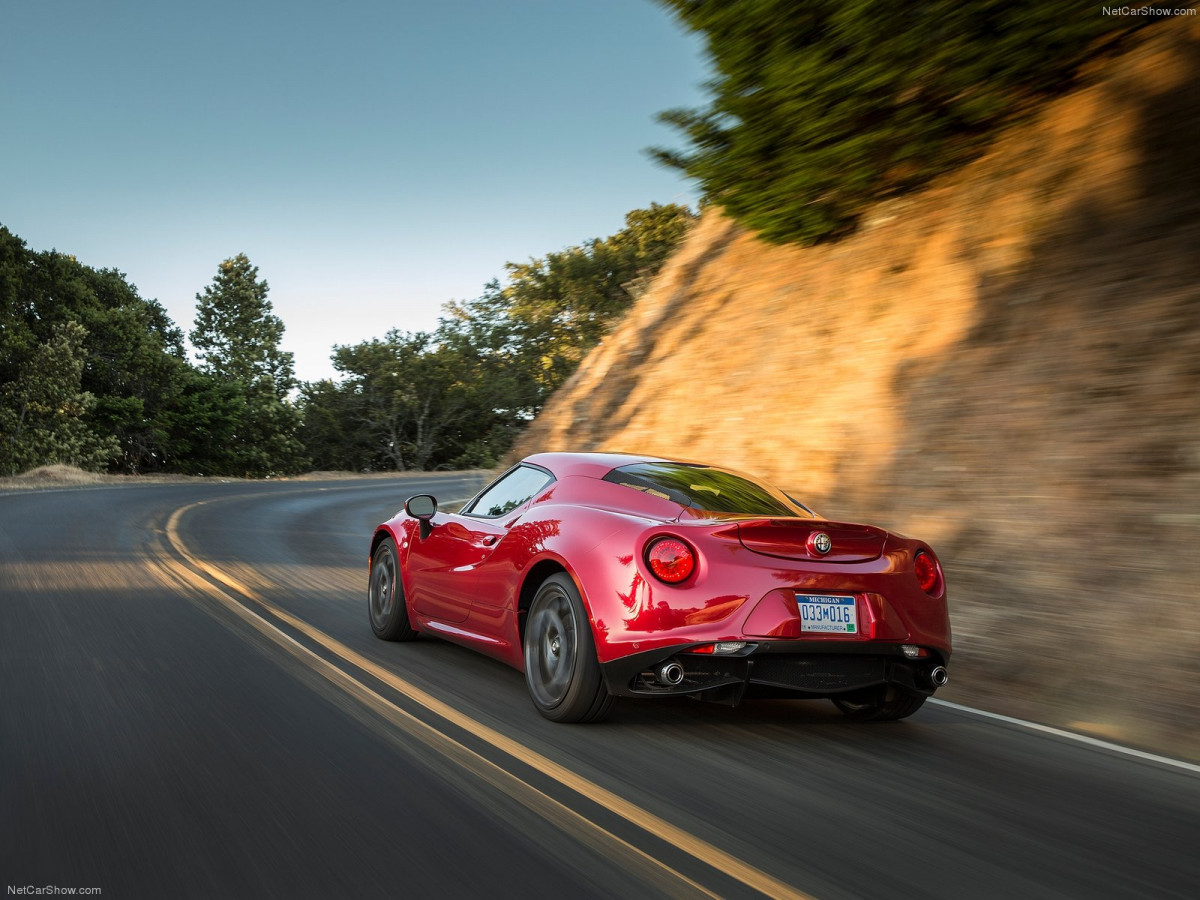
774 668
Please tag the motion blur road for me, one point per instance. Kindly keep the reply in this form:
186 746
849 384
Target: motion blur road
192 705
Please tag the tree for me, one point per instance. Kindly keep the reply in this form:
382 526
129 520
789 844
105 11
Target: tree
43 411
411 394
18 313
199 424
333 432
824 107
134 366
459 396
563 303
86 365
132 352
488 337
237 336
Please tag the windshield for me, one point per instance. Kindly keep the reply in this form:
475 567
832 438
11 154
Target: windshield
706 490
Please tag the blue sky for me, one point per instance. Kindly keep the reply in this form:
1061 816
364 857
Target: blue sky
373 159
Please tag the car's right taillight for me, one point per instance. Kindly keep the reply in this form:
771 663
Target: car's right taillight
670 559
928 572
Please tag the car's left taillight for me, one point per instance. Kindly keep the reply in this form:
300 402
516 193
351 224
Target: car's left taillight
928 572
670 559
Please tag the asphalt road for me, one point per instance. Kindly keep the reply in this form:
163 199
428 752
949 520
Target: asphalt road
192 705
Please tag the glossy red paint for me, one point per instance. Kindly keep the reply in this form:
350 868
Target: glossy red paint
471 579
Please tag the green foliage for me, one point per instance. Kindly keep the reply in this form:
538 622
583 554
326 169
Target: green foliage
93 374
459 396
43 411
132 353
822 108
237 336
266 438
559 306
405 403
335 432
199 424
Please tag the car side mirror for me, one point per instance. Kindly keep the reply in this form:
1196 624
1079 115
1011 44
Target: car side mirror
422 507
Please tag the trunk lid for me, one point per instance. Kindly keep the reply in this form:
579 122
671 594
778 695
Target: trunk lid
798 539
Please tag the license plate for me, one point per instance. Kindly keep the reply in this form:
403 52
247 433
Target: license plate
828 615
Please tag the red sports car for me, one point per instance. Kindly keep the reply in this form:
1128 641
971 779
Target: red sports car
605 575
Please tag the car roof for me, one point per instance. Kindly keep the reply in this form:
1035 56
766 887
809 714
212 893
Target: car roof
592 465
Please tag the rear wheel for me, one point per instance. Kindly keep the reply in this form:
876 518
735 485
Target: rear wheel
385 596
561 669
880 704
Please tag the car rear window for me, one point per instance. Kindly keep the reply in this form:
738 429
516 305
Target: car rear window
706 489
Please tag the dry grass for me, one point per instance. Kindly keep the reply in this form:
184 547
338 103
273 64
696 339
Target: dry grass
55 475
1007 364
71 476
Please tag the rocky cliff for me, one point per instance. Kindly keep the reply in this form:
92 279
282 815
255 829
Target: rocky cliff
1007 364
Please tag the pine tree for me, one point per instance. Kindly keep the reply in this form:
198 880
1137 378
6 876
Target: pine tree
237 335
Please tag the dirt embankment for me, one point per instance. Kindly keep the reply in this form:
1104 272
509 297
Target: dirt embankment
1007 364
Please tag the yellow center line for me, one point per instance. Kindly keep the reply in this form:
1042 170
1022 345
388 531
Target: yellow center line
675 836
444 746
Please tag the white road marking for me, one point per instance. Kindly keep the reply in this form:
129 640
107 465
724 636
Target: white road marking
1070 735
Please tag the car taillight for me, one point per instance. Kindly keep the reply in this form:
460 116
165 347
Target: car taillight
670 559
926 568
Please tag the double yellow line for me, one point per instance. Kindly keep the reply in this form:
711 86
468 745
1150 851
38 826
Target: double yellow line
672 881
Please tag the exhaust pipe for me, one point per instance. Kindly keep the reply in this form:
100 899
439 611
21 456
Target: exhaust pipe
670 673
938 676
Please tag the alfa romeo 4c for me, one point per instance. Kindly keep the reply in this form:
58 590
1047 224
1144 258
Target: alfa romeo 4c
606 575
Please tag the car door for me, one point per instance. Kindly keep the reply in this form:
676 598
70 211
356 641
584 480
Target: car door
440 566
446 568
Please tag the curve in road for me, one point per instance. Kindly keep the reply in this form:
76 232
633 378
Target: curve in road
193 703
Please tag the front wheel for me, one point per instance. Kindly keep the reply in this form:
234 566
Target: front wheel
882 704
561 669
385 596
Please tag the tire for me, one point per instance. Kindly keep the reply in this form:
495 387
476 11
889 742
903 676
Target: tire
385 596
561 669
881 704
